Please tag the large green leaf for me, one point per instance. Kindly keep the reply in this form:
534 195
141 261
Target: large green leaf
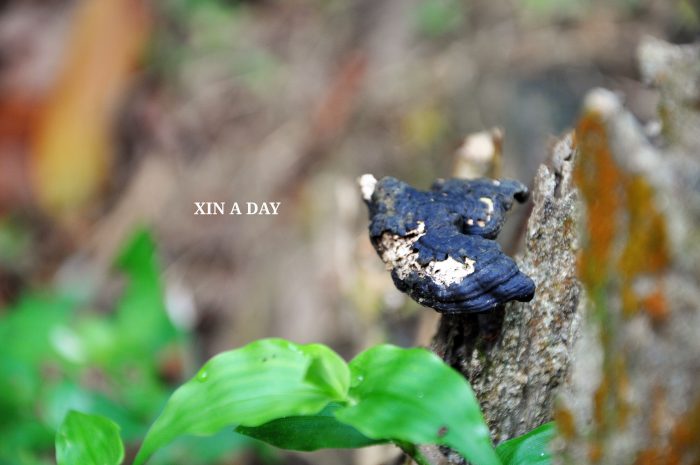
310 432
410 395
263 381
529 449
88 440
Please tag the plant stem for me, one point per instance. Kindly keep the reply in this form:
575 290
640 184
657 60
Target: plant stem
412 451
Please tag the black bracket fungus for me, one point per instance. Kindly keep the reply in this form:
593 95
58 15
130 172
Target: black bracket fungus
439 244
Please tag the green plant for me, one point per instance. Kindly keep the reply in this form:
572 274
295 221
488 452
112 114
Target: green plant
59 359
305 397
57 353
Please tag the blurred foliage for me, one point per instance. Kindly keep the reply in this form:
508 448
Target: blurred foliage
88 440
689 13
547 9
208 28
423 127
438 17
14 242
57 355
556 7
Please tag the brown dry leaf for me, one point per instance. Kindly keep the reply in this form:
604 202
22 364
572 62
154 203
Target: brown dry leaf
72 150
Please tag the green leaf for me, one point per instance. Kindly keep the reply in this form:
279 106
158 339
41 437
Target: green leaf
250 386
88 440
58 399
224 447
310 432
529 449
26 329
410 395
142 323
28 335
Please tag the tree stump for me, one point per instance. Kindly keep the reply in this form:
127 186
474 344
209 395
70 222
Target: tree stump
609 346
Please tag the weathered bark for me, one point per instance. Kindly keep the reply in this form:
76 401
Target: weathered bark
609 346
634 397
515 366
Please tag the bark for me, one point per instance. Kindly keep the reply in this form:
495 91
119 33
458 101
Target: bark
608 347
634 397
516 358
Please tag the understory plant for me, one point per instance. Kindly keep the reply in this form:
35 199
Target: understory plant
60 350
291 396
306 397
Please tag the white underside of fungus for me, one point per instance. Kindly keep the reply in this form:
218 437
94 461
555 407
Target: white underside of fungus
400 256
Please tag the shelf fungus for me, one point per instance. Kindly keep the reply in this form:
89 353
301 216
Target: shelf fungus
439 244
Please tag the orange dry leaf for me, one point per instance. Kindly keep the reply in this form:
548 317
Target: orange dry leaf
72 147
18 116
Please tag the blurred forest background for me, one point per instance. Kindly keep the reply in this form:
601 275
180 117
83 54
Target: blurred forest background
117 115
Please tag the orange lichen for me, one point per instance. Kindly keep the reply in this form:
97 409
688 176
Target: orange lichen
658 411
612 195
649 457
625 239
595 453
600 398
622 390
598 178
656 306
647 246
646 249
683 445
601 183
565 422
629 298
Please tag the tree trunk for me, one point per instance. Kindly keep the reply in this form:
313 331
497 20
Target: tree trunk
609 346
